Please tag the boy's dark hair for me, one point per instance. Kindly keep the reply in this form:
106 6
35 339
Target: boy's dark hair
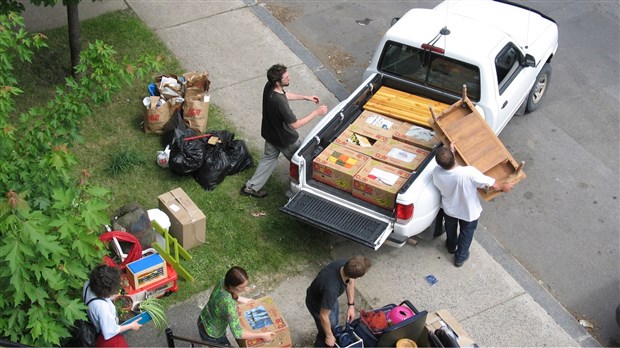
105 280
445 158
356 266
274 74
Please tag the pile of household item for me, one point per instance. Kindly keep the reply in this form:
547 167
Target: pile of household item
403 326
145 272
178 109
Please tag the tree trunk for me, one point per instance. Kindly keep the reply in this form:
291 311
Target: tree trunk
75 40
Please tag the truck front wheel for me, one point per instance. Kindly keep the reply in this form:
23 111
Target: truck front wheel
540 87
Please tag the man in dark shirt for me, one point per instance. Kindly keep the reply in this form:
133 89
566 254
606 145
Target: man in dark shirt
322 295
278 127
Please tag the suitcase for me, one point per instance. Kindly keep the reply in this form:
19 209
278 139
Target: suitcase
410 328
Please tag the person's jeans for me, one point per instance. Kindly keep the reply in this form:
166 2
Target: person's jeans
269 162
205 337
463 239
333 321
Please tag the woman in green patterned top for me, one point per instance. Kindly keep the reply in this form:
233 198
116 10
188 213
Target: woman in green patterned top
221 311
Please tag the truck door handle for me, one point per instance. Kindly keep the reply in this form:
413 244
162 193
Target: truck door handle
505 103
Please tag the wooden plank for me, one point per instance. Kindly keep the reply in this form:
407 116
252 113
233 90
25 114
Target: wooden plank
403 106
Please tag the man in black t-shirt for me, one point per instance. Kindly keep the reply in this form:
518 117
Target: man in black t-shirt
278 127
322 295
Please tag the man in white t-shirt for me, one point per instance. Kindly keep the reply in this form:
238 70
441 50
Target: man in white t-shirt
459 200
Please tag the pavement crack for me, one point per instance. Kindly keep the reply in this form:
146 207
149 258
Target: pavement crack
517 295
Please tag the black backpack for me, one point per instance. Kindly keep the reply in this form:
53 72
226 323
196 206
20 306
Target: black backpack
86 331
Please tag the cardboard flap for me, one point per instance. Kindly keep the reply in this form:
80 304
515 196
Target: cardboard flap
183 204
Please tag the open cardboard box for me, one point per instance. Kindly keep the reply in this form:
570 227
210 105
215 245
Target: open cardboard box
440 318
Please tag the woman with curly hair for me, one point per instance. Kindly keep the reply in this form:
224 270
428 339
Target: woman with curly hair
103 285
221 311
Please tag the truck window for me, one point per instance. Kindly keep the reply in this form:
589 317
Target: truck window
430 69
507 66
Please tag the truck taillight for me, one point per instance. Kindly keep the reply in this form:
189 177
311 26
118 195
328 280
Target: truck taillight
404 212
293 171
433 48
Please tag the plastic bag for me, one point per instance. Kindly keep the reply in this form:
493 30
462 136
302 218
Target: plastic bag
214 169
186 155
163 157
240 157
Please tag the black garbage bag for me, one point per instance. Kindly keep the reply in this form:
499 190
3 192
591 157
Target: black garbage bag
214 168
169 128
186 155
240 157
225 137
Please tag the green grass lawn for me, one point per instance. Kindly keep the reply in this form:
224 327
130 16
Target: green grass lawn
268 246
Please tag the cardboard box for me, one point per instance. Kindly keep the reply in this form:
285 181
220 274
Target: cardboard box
262 315
378 183
187 223
337 165
401 155
433 322
416 135
361 140
378 123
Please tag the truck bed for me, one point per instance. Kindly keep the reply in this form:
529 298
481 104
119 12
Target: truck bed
327 213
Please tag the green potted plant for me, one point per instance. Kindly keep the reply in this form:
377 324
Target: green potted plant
152 309
124 305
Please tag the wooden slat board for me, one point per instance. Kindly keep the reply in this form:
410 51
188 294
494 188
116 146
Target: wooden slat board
403 106
476 144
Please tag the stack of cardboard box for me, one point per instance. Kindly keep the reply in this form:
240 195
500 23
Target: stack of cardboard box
374 157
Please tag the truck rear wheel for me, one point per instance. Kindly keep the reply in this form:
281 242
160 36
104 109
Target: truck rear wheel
540 87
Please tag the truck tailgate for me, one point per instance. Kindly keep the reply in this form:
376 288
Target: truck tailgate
336 219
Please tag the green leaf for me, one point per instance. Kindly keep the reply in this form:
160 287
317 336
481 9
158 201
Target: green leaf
73 310
53 277
35 293
10 253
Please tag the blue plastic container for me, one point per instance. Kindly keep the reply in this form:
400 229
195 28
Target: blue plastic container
153 89
143 318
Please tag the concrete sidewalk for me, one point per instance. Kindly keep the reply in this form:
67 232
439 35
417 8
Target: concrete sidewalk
236 41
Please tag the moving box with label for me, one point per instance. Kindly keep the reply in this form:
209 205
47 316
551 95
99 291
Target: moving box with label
262 315
378 183
187 223
337 165
401 155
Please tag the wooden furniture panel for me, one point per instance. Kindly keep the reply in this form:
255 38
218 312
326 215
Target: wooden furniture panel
476 144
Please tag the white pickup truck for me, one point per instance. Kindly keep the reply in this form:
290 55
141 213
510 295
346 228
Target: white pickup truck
500 50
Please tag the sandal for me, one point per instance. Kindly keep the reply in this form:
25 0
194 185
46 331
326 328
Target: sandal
246 191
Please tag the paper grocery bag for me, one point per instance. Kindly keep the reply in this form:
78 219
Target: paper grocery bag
196 112
156 115
199 80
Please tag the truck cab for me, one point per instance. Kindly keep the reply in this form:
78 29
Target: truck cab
497 49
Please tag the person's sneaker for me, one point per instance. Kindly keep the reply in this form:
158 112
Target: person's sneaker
459 263
246 191
450 251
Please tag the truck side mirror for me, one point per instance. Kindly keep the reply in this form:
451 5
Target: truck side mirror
394 20
529 61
